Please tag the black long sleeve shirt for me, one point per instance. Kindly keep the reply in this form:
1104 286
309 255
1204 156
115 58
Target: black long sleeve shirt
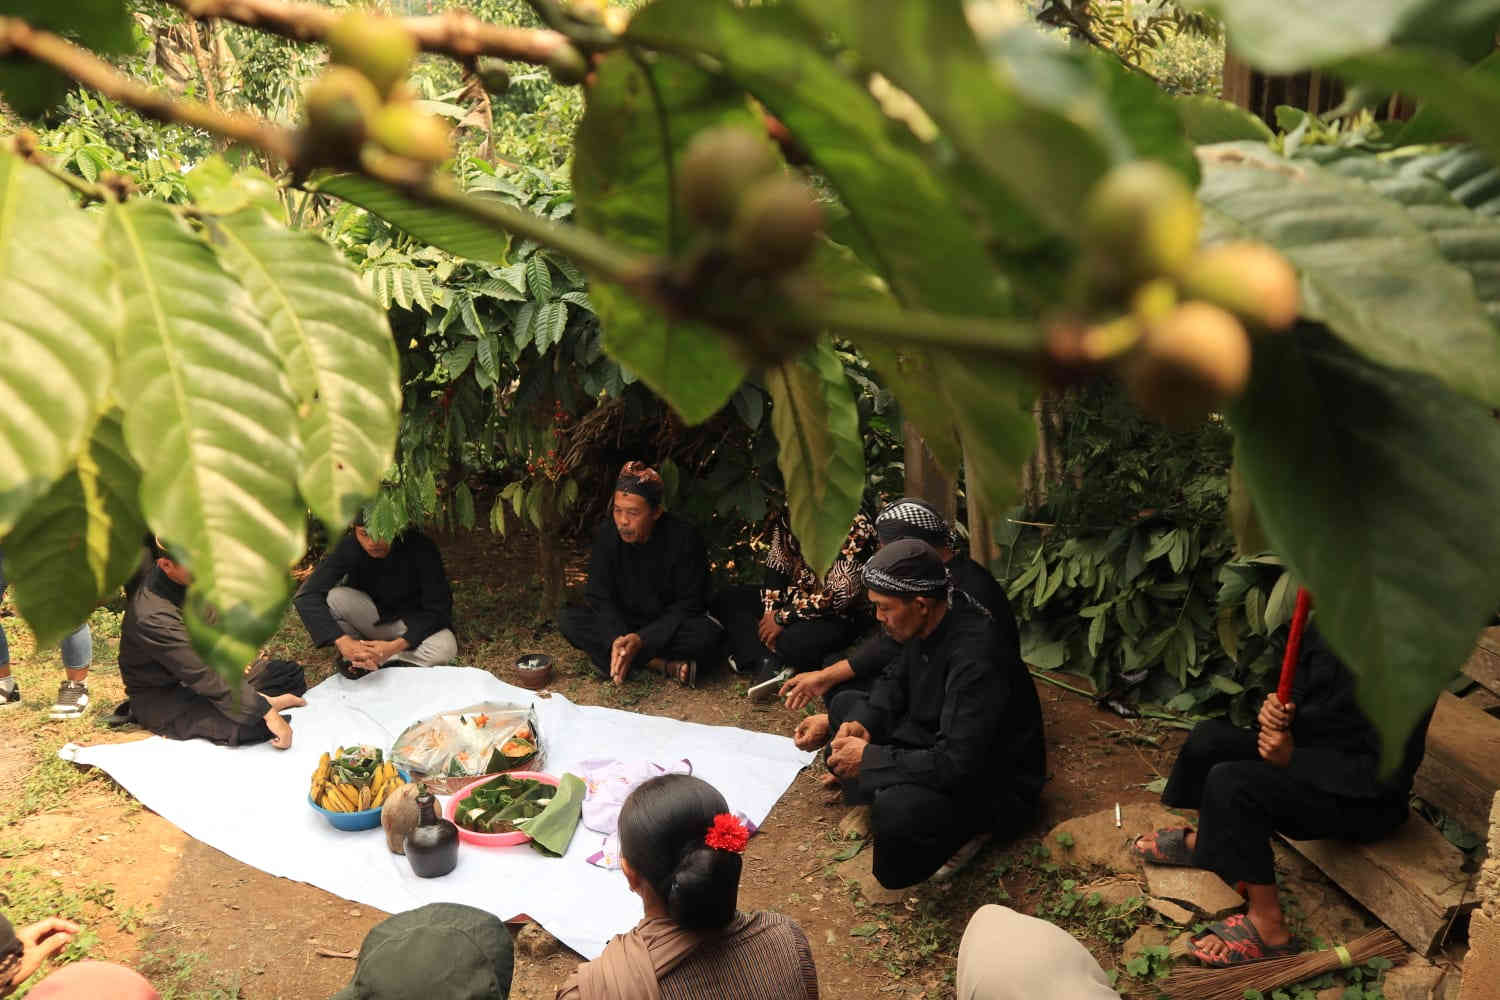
1335 747
408 584
956 712
651 587
156 654
870 657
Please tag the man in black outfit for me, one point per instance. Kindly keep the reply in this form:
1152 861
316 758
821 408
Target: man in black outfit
947 747
1310 770
175 694
906 518
394 607
647 589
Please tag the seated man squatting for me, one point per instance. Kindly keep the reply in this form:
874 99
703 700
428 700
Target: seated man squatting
1310 770
175 694
908 517
946 748
796 620
646 597
380 603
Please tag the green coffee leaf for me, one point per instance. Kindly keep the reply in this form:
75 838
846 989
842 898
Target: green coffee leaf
1292 35
821 455
443 228
1369 270
76 545
1208 120
210 421
1376 485
640 118
57 333
335 346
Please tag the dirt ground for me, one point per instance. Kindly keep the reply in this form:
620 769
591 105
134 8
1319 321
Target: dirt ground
202 925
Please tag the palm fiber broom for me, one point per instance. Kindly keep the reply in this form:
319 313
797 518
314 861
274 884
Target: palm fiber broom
1197 983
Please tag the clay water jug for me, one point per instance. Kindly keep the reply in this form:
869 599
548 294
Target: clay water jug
432 848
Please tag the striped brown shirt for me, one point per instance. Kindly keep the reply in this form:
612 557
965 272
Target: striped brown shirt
759 956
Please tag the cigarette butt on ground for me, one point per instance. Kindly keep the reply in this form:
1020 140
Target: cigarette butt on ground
1118 824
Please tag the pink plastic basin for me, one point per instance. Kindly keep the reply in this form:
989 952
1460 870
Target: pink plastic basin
492 839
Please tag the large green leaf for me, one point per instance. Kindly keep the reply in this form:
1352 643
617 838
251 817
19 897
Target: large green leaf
1470 176
1289 35
30 88
819 450
444 228
210 420
336 347
1379 487
1369 270
639 119
57 332
81 540
1208 120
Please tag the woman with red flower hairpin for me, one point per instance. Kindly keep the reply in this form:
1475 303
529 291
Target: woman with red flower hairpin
681 851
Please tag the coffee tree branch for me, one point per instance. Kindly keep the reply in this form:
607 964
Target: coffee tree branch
16 36
455 33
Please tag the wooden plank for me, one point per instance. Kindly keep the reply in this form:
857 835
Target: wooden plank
1413 881
1237 75
1460 772
1484 662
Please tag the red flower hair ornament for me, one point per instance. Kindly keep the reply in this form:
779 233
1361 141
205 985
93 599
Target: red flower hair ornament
728 833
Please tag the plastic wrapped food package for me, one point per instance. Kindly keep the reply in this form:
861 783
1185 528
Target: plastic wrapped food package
469 742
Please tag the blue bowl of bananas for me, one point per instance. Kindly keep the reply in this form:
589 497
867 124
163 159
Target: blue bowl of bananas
351 784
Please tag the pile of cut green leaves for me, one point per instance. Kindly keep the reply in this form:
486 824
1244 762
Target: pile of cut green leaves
497 806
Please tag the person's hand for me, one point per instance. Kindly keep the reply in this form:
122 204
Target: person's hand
1275 715
769 630
383 651
359 653
803 688
846 755
1275 746
622 653
852 729
282 702
281 730
39 942
811 733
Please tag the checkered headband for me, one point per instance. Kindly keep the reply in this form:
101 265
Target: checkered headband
912 518
907 566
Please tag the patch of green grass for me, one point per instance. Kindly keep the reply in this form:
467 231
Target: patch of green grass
173 972
29 896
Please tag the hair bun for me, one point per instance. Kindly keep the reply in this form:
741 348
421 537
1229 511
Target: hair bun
703 889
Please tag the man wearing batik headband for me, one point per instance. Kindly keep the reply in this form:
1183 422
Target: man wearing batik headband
906 518
647 588
946 748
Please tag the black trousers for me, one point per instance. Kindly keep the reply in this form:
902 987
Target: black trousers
802 645
697 638
1242 800
915 828
182 714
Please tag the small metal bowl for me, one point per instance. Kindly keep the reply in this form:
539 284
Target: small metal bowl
534 670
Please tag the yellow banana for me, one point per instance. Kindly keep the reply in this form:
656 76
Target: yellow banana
349 797
364 798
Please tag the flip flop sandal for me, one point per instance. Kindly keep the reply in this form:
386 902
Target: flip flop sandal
1243 941
1169 848
684 672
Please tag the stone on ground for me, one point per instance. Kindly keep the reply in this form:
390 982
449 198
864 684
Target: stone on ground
1177 914
1143 938
1416 979
1097 842
533 942
1201 891
860 870
1114 890
1482 966
856 824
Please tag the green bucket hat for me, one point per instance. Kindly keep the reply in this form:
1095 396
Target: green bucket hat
441 951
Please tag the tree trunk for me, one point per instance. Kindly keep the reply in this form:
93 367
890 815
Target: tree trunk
925 478
550 568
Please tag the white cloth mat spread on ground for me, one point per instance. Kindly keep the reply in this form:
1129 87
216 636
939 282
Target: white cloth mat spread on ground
251 802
